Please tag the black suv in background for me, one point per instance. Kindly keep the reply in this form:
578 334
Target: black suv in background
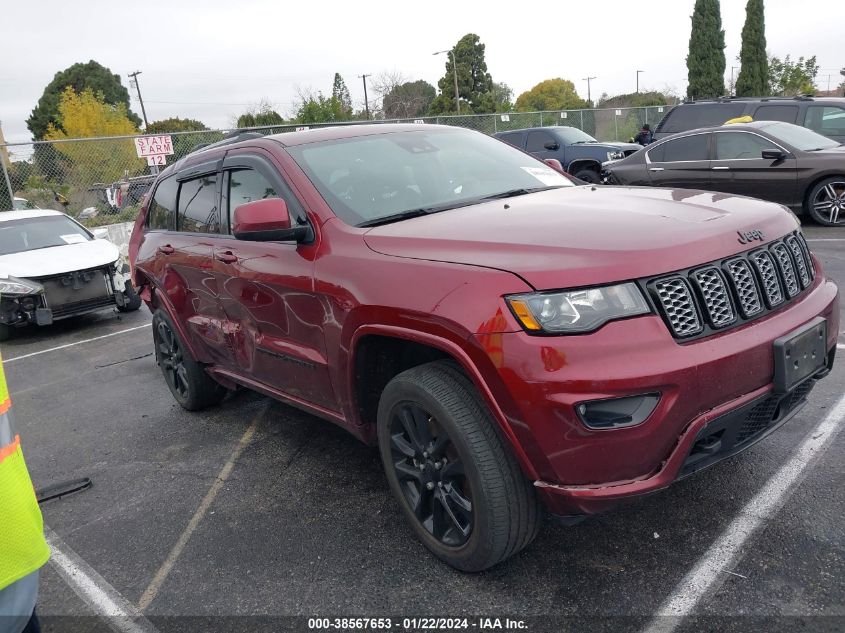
825 115
579 153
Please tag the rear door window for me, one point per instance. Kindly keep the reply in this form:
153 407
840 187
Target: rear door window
740 145
163 206
785 113
688 148
198 205
513 138
826 120
690 117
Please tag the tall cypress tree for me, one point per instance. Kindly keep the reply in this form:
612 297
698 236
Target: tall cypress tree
706 59
754 66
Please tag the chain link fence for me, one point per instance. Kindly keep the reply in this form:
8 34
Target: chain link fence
102 181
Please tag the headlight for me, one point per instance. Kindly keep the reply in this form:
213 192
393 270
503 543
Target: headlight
15 286
577 311
615 155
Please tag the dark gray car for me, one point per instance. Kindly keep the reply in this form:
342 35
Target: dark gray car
774 161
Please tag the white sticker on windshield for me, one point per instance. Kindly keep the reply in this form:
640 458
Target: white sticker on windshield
73 238
544 174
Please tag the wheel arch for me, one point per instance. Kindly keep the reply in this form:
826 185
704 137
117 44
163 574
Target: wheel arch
582 163
368 346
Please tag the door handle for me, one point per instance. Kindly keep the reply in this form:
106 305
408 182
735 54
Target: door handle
722 168
166 249
655 169
227 257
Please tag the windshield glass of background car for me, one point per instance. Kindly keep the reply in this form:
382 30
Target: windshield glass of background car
27 234
371 177
570 135
799 137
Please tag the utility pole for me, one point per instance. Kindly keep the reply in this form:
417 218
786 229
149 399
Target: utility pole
733 87
588 79
455 74
140 100
366 102
638 80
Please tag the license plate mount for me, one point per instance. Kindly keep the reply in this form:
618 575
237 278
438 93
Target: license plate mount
800 354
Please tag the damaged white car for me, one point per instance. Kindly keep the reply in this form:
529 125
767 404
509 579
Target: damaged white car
52 267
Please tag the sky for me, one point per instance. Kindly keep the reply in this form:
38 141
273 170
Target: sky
213 59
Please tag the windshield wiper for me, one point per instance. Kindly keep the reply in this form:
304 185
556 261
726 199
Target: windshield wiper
396 217
518 192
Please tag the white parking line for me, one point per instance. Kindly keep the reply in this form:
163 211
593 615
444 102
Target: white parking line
726 550
163 572
826 239
88 340
93 589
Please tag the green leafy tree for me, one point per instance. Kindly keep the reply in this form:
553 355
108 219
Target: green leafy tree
259 115
86 115
551 94
788 78
753 80
474 82
342 101
706 58
175 124
499 99
98 78
408 100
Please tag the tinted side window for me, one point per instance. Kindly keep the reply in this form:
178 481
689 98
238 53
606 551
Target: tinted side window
513 138
246 185
163 205
690 117
784 113
687 148
537 141
737 145
655 154
198 206
826 120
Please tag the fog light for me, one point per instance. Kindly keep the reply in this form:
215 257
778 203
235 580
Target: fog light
615 413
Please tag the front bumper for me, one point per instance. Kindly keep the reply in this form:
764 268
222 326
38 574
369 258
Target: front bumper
70 294
582 470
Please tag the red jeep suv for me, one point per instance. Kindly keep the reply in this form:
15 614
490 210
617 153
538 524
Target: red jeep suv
508 339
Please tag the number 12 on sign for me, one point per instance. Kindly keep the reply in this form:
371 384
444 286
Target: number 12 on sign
156 159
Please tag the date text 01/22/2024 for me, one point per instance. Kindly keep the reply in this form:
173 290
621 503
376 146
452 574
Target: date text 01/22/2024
416 624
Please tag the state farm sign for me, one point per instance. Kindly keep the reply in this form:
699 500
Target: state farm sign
154 148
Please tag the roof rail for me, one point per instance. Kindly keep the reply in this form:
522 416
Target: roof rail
234 137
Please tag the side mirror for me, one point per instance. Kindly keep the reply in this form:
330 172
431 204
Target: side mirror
554 163
552 145
266 220
773 154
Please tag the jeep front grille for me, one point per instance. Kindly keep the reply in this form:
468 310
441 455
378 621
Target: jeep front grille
726 293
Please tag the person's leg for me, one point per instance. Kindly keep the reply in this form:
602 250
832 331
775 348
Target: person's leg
33 625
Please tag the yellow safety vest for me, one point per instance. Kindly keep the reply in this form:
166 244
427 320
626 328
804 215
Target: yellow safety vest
22 545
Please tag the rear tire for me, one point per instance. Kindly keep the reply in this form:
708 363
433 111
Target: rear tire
588 175
187 380
455 478
825 202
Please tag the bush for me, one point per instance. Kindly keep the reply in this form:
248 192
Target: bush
129 214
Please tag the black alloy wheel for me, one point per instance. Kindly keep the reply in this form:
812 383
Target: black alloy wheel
171 360
431 474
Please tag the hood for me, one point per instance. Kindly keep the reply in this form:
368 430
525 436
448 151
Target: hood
56 260
587 235
625 147
838 151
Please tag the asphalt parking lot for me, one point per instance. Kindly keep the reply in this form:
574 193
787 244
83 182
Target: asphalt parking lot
257 509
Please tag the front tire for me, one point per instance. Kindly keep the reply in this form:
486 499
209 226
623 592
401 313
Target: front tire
588 175
133 299
825 202
458 484
187 380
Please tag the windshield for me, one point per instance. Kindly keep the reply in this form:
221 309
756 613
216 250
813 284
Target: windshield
20 204
800 137
571 135
367 178
28 234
